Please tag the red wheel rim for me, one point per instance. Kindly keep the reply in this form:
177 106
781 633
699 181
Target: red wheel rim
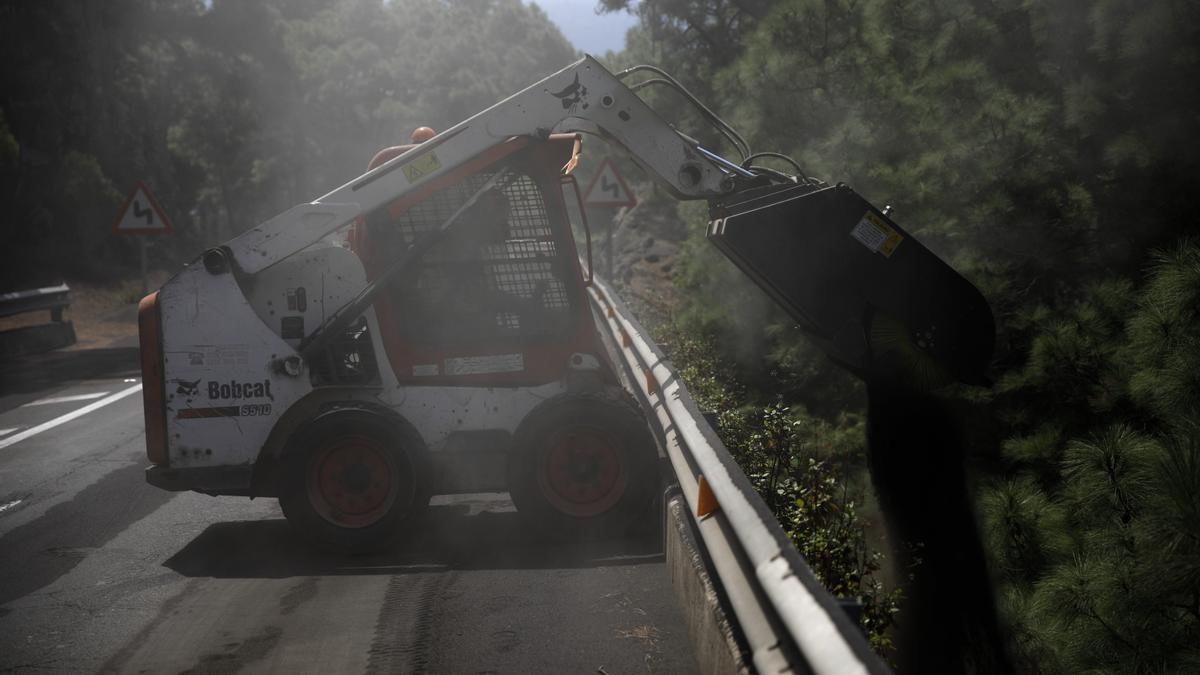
351 482
582 472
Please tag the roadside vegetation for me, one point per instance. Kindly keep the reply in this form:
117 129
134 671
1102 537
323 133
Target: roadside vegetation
1046 150
807 469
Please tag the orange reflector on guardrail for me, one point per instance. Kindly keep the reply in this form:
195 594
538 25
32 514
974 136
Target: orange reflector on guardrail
706 501
651 383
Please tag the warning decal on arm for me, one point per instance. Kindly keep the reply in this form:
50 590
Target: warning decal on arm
874 233
421 167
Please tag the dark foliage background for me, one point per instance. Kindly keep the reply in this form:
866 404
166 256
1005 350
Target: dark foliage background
233 111
1050 152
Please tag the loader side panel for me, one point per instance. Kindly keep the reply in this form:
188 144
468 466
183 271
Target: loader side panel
223 393
296 295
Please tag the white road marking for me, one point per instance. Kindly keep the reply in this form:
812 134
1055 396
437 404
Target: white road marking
5 432
66 399
5 507
63 419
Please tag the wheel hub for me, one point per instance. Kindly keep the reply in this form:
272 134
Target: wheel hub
350 482
583 473
356 478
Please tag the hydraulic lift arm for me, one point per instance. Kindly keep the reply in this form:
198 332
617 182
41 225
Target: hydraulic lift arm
583 97
870 295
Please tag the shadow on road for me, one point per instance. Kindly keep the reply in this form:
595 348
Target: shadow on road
30 374
33 555
450 538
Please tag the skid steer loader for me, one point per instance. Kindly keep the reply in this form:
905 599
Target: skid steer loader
424 328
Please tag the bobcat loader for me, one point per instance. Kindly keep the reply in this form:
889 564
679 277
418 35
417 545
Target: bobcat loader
424 329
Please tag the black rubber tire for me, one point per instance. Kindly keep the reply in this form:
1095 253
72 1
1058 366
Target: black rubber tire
398 456
610 420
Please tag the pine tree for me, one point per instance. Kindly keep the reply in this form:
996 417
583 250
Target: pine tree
1100 560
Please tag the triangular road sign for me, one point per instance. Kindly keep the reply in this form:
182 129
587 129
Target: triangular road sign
608 188
141 214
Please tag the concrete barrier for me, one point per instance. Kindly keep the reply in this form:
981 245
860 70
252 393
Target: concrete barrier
36 339
716 644
39 338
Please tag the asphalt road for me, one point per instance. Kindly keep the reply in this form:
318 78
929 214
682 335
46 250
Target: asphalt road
101 572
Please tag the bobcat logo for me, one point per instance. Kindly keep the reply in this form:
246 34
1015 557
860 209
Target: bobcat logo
573 95
187 388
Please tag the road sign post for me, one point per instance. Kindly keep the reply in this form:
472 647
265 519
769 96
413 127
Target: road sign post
608 192
141 215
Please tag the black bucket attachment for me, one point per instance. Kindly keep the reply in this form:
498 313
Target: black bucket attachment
867 292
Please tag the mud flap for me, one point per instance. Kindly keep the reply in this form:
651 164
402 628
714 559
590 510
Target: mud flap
856 282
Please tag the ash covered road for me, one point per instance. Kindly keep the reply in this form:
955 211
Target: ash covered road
101 572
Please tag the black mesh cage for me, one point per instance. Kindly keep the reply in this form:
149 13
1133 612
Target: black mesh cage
495 274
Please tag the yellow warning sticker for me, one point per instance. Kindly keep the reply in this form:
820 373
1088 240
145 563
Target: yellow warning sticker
421 167
875 233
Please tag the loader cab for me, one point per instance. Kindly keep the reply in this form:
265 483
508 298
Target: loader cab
500 299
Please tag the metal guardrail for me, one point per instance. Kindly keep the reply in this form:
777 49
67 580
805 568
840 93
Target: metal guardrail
35 339
790 622
53 298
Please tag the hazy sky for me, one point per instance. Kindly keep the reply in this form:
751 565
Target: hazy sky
585 29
